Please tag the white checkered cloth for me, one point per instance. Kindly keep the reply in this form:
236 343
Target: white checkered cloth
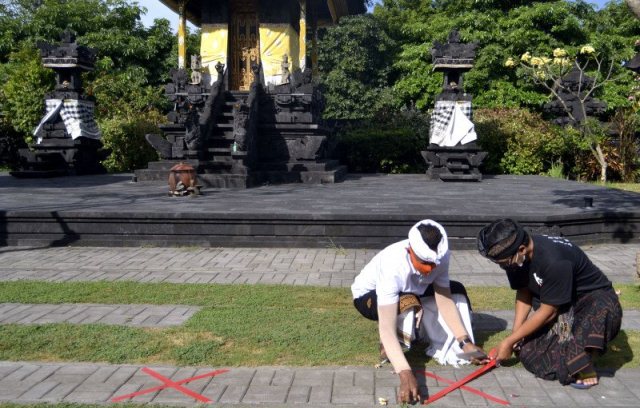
77 115
451 124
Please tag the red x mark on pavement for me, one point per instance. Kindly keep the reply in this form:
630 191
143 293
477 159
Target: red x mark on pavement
171 384
467 388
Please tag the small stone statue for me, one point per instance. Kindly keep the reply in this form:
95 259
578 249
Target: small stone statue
286 73
196 66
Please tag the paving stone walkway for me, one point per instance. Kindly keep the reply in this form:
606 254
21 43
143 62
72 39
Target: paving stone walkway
295 266
27 382
82 313
312 387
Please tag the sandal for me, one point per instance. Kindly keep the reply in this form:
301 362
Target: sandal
584 375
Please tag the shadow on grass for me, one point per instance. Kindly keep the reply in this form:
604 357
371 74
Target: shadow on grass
618 354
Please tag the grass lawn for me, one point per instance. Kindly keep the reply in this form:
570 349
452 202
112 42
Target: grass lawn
239 325
635 187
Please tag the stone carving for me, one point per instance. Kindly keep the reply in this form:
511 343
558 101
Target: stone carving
571 95
634 5
195 109
196 66
245 116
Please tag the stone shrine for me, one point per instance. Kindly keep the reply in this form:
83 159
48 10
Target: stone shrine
452 154
573 94
249 112
67 138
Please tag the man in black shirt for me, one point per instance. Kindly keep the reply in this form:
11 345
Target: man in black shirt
578 312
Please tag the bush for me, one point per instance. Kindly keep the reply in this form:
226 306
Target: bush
521 142
124 136
10 142
375 149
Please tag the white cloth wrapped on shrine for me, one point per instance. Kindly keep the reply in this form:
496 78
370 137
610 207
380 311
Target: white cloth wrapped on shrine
450 124
443 346
77 115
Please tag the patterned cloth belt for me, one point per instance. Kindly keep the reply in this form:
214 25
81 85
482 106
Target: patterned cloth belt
408 301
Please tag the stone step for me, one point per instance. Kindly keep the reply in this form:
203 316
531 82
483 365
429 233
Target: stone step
308 177
301 166
228 180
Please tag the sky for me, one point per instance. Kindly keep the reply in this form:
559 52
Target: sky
155 9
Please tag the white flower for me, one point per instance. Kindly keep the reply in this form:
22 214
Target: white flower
587 49
559 53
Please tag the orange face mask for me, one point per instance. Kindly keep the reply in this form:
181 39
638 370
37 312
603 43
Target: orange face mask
421 266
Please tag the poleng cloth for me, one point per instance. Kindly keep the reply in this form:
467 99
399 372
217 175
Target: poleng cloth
451 124
77 115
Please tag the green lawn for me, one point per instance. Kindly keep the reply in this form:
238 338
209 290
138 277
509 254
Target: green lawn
239 325
635 187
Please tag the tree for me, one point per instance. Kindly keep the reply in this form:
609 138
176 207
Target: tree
355 60
133 64
591 73
502 28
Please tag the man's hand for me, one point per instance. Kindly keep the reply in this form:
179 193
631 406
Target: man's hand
470 347
408 388
505 349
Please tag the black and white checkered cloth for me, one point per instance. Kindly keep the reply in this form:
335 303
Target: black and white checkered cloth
77 115
442 116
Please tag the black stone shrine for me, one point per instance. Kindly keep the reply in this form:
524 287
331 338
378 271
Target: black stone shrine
69 146
462 161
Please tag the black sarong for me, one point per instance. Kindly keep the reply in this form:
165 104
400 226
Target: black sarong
558 351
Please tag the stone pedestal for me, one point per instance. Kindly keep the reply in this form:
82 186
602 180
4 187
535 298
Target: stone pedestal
459 163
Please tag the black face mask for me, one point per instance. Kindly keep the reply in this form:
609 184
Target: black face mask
513 267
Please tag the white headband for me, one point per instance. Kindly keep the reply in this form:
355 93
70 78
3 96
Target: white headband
421 249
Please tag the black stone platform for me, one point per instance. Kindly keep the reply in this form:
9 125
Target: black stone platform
365 211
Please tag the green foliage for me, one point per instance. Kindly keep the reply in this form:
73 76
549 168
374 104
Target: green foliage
355 60
133 64
24 81
502 29
390 144
124 136
372 149
519 142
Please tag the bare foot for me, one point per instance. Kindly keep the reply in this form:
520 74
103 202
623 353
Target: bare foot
588 381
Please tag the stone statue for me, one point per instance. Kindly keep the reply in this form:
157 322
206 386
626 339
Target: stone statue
196 66
634 5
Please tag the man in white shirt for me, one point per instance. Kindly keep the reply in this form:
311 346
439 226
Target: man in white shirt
409 267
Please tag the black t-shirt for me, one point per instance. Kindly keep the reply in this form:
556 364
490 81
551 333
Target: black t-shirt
558 273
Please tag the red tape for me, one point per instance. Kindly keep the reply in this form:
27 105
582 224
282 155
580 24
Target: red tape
457 384
177 385
466 388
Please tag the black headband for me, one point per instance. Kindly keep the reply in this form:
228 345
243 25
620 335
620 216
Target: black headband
484 247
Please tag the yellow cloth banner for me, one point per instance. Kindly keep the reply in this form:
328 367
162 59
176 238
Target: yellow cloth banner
213 47
275 42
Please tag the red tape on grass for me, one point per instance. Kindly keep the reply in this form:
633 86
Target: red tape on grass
466 388
177 385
